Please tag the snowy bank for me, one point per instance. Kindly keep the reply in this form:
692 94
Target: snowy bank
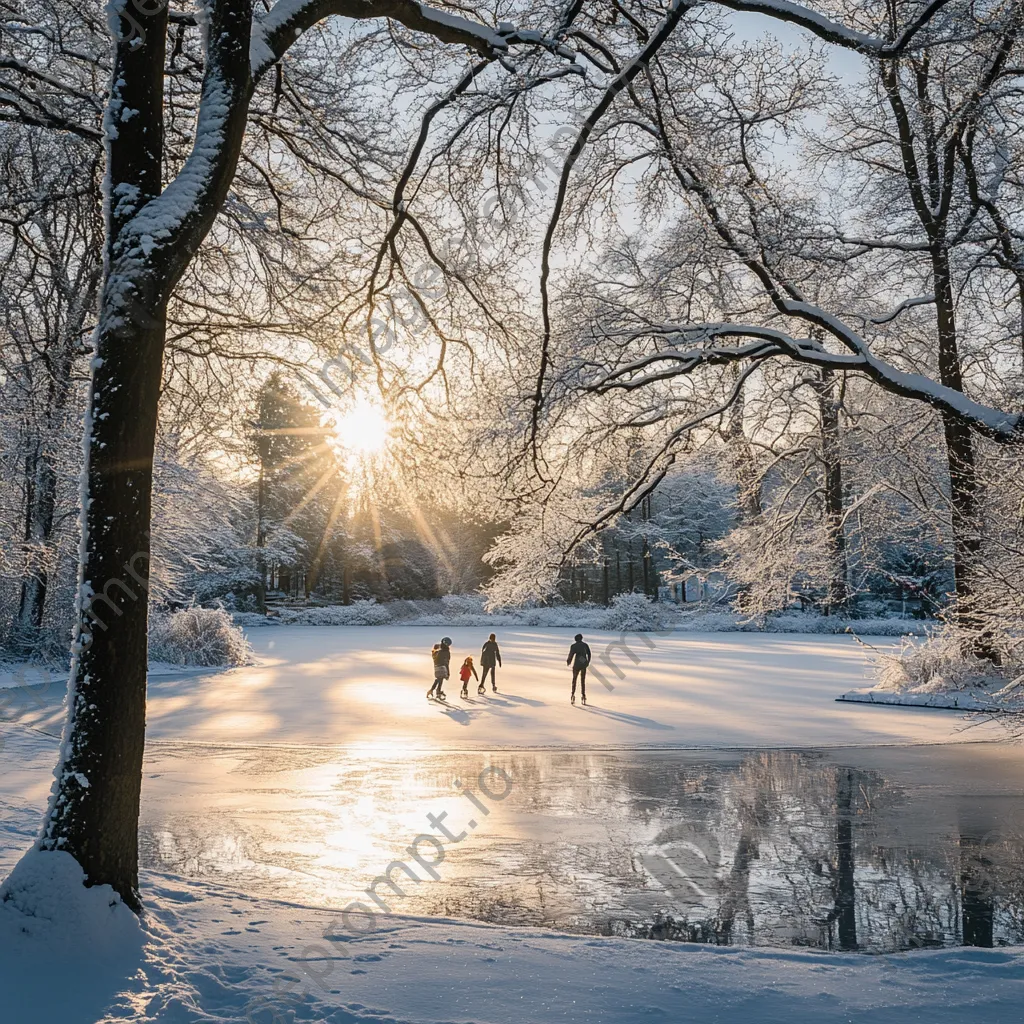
66 949
217 956
954 700
944 671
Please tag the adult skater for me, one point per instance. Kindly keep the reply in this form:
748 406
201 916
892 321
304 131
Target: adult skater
441 655
489 655
579 658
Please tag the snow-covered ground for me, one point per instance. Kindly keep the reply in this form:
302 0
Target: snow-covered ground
214 952
214 956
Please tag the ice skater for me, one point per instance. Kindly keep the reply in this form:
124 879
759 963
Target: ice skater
441 655
468 669
579 658
489 654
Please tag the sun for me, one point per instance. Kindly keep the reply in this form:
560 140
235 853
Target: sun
363 429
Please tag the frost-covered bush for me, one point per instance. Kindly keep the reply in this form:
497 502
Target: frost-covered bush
369 613
197 636
945 661
633 613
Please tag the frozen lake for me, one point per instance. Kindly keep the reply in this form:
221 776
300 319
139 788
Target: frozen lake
304 777
365 687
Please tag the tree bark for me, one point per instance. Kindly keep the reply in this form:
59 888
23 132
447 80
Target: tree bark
94 811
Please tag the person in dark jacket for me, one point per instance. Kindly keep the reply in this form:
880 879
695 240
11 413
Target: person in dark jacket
489 656
579 658
441 655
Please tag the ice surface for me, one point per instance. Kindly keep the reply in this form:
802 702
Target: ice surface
366 687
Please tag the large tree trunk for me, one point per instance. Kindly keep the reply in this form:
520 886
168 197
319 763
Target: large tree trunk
94 810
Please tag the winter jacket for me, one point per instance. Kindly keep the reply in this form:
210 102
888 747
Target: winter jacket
466 671
579 651
489 654
442 656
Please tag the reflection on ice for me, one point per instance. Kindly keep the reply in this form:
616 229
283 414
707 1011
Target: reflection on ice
857 849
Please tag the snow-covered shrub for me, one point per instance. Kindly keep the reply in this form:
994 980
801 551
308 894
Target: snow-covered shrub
633 613
197 636
945 661
369 613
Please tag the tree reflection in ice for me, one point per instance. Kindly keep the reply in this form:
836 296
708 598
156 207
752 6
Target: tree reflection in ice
866 849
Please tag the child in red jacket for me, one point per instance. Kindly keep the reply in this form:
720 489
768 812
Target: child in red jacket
468 669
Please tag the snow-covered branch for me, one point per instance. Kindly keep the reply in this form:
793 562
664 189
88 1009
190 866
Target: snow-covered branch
288 19
835 32
765 342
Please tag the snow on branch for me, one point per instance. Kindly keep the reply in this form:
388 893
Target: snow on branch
288 19
833 31
173 223
766 342
919 300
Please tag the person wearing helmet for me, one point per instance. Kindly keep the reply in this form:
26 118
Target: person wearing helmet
579 658
441 655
